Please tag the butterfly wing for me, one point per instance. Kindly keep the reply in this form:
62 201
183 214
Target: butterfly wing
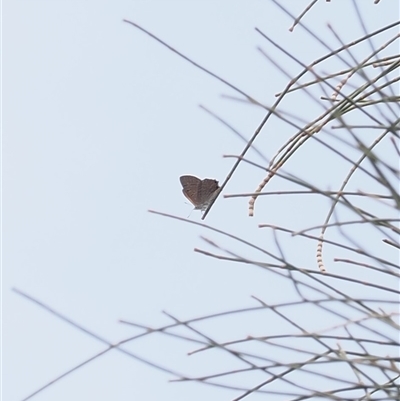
208 190
191 188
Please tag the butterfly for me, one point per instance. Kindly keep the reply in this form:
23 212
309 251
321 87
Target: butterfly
199 192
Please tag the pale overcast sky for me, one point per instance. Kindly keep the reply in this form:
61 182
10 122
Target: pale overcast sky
98 123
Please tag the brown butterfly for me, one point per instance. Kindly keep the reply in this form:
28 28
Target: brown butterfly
199 192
